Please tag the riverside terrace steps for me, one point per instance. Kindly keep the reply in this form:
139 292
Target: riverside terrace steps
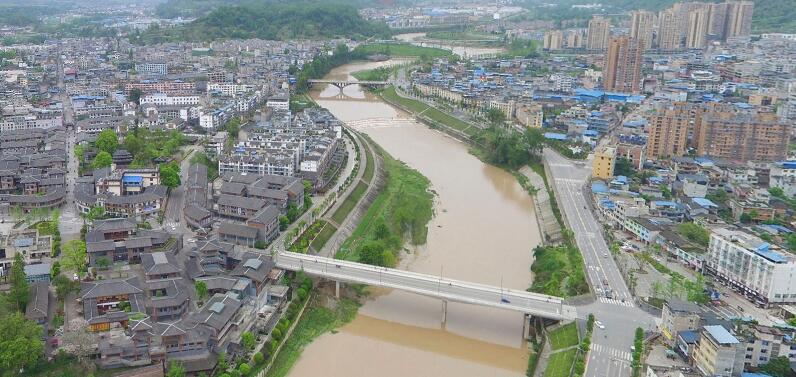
428 285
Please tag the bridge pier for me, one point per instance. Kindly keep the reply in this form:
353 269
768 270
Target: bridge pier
336 289
444 312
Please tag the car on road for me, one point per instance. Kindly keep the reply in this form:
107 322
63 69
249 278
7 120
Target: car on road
599 325
505 300
605 255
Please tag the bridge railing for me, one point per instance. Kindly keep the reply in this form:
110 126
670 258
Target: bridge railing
420 276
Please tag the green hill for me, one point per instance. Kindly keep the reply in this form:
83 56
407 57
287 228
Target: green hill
287 21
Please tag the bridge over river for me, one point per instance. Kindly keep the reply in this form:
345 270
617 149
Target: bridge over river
533 304
343 83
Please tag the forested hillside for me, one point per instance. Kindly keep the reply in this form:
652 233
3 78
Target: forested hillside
287 21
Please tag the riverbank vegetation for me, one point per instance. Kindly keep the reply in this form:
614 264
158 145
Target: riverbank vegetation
316 321
421 109
375 74
399 213
558 269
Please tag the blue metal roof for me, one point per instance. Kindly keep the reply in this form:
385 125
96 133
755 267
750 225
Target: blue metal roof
721 334
555 136
689 336
664 203
132 179
704 202
749 374
23 242
764 252
599 187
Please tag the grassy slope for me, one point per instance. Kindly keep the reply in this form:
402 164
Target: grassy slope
430 112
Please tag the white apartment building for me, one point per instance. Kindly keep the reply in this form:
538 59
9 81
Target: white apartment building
257 164
229 90
783 176
161 99
762 271
278 102
152 68
31 121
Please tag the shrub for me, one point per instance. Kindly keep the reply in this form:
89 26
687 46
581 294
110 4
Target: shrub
244 369
276 334
258 358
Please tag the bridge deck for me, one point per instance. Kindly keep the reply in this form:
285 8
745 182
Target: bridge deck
428 285
347 82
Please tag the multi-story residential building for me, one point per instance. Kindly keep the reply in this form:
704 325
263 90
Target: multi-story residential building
171 88
742 135
122 193
598 34
669 30
677 316
163 99
530 115
641 26
161 69
698 26
739 18
717 21
553 40
604 162
669 125
763 343
574 39
757 268
35 248
783 176
718 353
623 62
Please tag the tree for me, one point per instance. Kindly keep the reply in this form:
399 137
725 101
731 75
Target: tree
201 289
19 285
247 340
74 257
222 361
233 128
746 218
170 175
175 369
495 116
64 286
135 94
102 160
244 369
258 358
107 141
655 289
284 222
777 367
103 263
20 343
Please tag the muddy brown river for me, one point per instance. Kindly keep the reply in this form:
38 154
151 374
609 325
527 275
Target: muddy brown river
484 231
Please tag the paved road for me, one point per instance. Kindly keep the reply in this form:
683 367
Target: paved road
428 285
172 220
70 222
610 354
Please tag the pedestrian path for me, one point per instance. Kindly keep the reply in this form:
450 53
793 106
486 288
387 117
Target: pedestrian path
614 301
612 352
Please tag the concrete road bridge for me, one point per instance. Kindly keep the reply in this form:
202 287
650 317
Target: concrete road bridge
531 304
343 83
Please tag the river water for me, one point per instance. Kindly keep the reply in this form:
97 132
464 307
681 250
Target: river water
484 231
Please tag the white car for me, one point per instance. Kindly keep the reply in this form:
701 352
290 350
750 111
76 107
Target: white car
599 325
